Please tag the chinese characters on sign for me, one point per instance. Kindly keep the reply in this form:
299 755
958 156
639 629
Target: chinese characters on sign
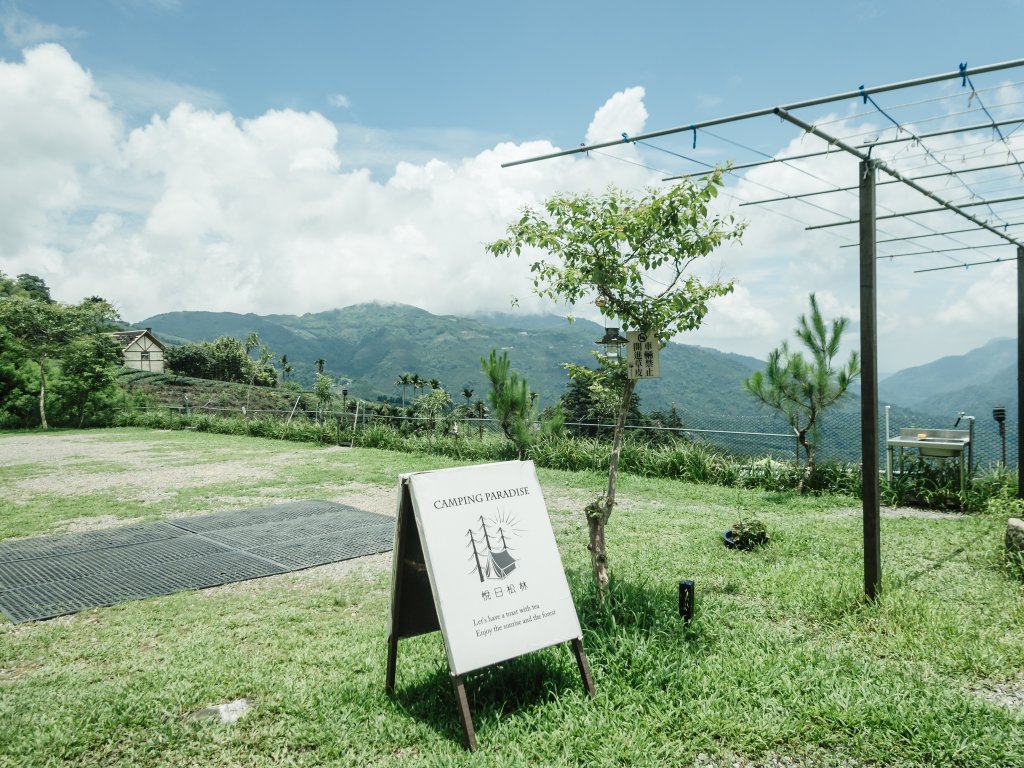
642 355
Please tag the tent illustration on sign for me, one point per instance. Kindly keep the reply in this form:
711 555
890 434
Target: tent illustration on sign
491 554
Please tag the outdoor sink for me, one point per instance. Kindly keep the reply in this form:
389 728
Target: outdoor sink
937 444
933 443
944 449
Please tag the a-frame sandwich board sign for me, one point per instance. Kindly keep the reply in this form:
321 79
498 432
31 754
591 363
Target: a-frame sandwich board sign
475 557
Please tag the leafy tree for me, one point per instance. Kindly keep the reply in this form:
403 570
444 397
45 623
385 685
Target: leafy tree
17 383
629 256
433 404
261 369
189 360
801 389
34 287
323 388
88 374
224 359
229 361
592 396
46 330
514 405
9 287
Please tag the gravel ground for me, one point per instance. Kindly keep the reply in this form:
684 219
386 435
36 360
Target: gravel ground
144 475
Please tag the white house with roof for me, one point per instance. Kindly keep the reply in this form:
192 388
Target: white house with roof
141 350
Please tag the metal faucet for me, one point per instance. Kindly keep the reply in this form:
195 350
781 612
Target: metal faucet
963 415
970 440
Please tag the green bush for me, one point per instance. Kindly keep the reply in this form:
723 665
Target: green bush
923 484
690 461
748 534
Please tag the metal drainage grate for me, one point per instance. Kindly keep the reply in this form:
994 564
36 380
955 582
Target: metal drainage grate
51 576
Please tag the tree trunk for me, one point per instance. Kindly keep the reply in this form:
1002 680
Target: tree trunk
598 552
600 511
809 466
42 391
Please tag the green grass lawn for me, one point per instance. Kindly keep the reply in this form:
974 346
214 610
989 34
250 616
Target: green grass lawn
784 659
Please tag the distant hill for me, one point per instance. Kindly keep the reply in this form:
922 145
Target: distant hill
935 382
974 383
367 346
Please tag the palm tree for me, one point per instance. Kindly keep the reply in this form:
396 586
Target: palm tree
285 368
319 363
404 381
481 414
418 383
467 392
435 384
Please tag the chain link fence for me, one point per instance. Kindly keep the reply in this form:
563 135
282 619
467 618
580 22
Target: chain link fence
756 436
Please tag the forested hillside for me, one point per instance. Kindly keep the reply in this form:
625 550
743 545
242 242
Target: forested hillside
370 345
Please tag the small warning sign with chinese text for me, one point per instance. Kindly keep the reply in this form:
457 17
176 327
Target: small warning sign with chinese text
642 355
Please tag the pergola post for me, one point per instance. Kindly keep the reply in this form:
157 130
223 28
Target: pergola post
869 384
1020 371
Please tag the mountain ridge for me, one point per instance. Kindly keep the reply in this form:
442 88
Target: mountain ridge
367 346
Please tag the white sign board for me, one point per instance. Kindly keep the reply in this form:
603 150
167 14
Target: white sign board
642 355
496 576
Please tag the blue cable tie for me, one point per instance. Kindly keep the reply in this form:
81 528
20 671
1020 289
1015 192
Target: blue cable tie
963 74
694 129
863 95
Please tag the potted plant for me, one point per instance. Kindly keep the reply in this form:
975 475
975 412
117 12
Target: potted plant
746 535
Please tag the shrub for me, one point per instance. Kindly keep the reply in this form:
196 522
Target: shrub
748 534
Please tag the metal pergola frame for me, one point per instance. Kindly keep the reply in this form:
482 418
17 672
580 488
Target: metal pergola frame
868 241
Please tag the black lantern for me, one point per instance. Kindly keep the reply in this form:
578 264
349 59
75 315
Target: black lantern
612 342
999 414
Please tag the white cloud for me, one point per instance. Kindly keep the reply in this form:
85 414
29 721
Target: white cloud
988 301
256 215
21 29
200 209
339 100
54 129
622 113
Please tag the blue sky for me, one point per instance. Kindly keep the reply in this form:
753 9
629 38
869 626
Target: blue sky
462 75
292 157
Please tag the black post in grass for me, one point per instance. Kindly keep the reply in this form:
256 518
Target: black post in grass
869 385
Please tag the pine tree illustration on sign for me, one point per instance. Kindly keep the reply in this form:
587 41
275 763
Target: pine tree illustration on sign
489 548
